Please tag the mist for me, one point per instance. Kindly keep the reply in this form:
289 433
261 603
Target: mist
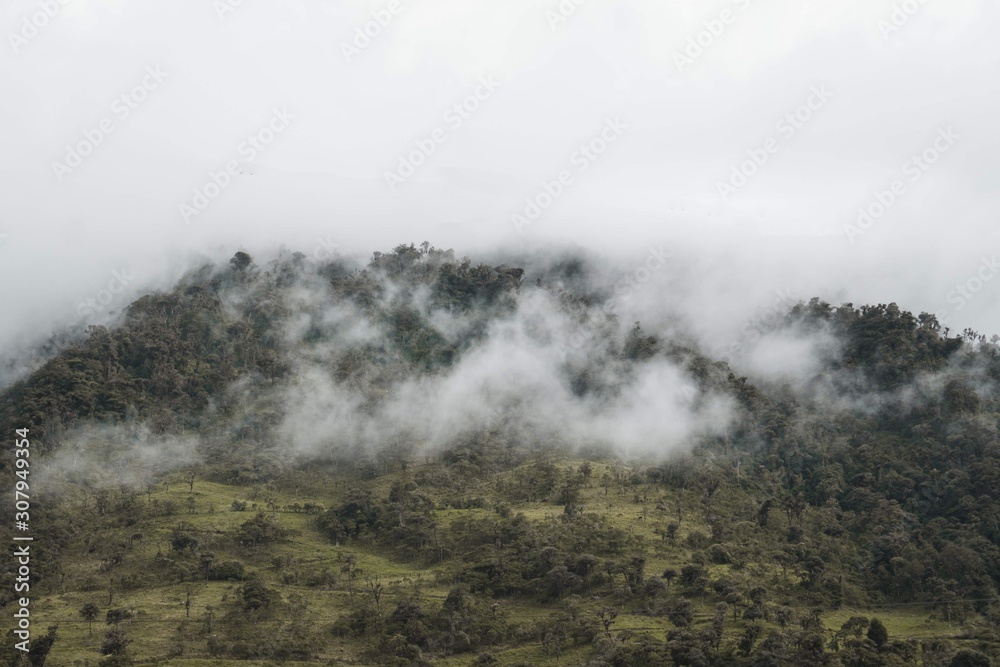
321 181
120 455
698 178
515 383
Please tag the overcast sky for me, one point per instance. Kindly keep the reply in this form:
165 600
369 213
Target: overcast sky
115 115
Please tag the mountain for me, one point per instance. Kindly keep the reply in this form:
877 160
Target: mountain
424 460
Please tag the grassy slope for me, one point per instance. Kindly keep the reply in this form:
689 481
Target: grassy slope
161 607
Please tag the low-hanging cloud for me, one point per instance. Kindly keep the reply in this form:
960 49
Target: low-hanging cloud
61 241
122 455
517 383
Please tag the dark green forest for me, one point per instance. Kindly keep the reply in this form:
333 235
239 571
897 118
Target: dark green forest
287 462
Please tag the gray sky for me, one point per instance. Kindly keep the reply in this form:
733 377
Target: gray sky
115 114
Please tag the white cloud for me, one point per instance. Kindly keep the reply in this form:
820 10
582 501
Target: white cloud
324 176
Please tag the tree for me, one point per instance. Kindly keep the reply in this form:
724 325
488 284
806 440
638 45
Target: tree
240 261
116 616
855 625
206 559
115 642
256 596
969 658
763 512
606 482
376 589
877 632
634 573
182 537
351 561
38 650
682 613
719 622
750 635
608 616
259 530
90 612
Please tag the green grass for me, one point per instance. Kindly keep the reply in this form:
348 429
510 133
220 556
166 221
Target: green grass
909 622
161 607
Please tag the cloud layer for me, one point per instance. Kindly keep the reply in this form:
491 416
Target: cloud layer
896 74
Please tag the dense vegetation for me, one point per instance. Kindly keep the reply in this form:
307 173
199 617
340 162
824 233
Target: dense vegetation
851 517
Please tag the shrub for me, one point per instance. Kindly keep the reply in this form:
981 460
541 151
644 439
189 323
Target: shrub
697 540
115 642
719 555
230 570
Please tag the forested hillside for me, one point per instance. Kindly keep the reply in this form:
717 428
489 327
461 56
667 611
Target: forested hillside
430 461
